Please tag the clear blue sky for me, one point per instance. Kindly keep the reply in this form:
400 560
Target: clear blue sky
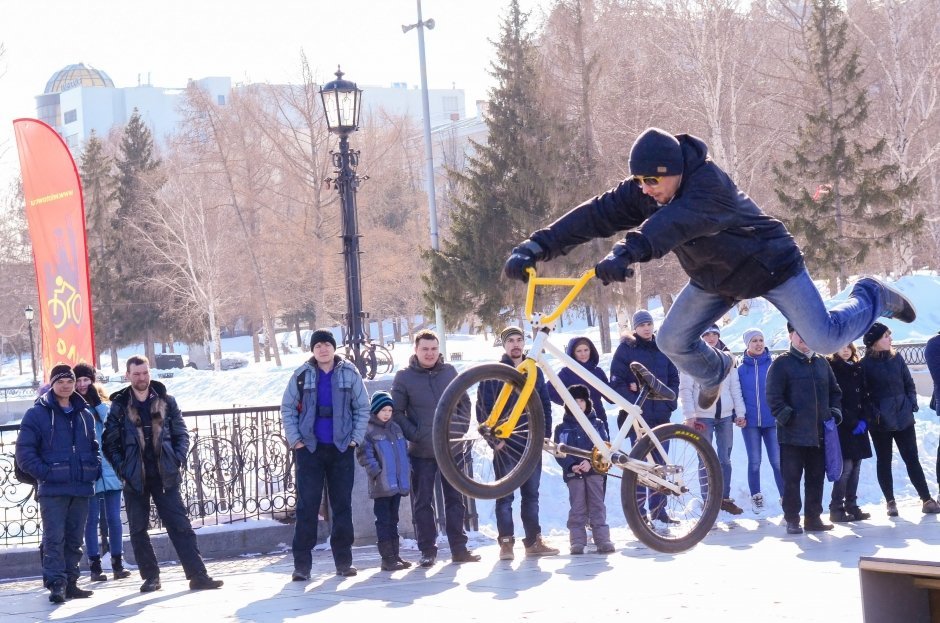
256 41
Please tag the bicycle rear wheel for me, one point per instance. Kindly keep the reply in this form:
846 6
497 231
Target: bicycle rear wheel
676 522
473 457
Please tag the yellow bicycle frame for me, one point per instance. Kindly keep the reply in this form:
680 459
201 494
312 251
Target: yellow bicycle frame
528 367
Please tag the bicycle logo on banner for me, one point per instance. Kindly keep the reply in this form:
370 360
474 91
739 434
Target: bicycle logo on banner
65 304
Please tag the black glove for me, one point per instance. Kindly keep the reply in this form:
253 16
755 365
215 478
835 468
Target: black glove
616 266
524 256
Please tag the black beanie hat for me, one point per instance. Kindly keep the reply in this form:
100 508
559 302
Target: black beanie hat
61 371
85 370
322 335
656 152
583 393
875 333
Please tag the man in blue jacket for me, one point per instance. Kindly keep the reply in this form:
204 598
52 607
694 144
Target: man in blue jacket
802 393
325 410
56 445
932 355
642 347
676 199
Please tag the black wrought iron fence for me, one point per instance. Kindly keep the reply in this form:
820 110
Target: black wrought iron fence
238 468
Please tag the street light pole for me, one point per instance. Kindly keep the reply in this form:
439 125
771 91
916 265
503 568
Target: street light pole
341 103
429 159
32 345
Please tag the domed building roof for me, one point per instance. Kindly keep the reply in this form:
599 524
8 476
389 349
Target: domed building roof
79 74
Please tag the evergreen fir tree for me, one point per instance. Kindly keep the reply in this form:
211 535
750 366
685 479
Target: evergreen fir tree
840 197
503 194
99 188
137 317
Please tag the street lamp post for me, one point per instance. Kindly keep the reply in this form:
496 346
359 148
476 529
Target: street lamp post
28 312
342 100
429 158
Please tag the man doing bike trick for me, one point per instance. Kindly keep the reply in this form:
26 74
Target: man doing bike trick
676 199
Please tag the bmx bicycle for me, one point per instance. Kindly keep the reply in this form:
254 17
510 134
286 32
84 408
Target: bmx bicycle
489 431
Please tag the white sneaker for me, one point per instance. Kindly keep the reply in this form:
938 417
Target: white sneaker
757 503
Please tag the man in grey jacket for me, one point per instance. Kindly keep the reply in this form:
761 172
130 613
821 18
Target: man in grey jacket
325 411
415 392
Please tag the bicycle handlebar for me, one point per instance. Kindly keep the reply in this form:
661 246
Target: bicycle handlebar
575 283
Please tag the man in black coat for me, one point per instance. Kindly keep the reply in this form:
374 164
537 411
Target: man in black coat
932 355
802 393
677 199
146 441
415 393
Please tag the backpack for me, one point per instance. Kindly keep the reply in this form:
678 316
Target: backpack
21 475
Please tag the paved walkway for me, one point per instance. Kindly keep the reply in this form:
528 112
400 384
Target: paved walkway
744 571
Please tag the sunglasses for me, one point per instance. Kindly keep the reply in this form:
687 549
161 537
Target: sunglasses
648 180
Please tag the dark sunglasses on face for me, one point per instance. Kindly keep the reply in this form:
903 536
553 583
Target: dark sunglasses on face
648 180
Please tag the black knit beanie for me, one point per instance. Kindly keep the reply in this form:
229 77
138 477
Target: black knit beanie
875 333
656 152
85 370
322 335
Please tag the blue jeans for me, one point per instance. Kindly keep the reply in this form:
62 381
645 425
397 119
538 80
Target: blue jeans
424 473
720 432
528 508
325 465
753 435
845 490
112 517
825 331
63 519
172 512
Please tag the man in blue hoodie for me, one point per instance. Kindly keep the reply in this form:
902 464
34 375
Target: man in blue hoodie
57 446
677 199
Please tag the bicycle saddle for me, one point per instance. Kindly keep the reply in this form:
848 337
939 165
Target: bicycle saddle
657 389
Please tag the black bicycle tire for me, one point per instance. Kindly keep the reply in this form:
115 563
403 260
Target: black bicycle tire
641 527
445 416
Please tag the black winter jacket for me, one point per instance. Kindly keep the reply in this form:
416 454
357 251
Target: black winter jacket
724 242
892 396
932 355
123 438
415 392
802 393
851 381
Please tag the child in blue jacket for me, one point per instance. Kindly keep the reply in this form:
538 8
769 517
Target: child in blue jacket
585 486
384 455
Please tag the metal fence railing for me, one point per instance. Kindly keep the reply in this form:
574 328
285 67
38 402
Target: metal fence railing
238 468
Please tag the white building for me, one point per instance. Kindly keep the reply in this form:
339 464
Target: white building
79 99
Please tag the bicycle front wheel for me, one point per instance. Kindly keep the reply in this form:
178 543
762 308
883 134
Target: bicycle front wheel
477 459
675 521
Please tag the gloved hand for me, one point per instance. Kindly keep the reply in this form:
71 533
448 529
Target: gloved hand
860 428
616 266
523 256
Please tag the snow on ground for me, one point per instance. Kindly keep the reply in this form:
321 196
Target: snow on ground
264 383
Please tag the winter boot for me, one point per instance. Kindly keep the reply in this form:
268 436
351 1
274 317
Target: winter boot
892 508
837 514
893 304
404 563
73 592
857 513
117 568
729 506
539 548
506 544
389 559
930 507
428 558
708 394
94 564
57 592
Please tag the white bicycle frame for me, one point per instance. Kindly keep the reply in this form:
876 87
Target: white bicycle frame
634 420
